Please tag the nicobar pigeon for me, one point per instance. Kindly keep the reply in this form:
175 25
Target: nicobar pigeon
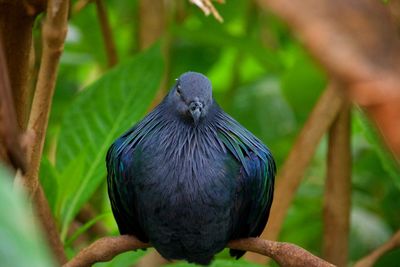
188 178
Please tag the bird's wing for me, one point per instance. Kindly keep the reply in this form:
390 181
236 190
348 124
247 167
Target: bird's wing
256 179
121 176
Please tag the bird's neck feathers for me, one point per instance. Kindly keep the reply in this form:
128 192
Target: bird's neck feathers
168 114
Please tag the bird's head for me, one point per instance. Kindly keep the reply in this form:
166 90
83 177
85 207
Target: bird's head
191 96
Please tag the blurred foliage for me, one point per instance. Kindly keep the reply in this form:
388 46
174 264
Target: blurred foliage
17 233
261 75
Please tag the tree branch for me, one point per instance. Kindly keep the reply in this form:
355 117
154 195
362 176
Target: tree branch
79 5
338 190
292 171
285 254
16 22
9 130
107 33
54 33
357 43
208 8
368 261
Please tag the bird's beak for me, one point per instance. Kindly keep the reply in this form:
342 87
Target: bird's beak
195 109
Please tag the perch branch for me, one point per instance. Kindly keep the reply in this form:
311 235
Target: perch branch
285 254
292 171
337 190
9 130
369 260
112 57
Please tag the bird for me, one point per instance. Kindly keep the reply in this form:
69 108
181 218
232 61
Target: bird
188 178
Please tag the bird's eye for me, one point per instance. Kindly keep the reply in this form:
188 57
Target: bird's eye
178 90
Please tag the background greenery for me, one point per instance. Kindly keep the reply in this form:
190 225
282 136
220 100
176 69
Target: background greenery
261 75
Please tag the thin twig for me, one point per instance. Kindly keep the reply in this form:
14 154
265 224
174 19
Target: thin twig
369 260
285 254
337 190
111 51
9 130
79 5
86 214
208 8
292 171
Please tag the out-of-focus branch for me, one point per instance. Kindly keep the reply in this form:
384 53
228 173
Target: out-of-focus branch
48 224
208 8
368 261
357 43
16 22
79 5
86 214
152 21
107 33
337 191
285 254
54 32
9 130
292 171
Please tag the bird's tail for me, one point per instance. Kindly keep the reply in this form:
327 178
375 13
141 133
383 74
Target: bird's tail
236 253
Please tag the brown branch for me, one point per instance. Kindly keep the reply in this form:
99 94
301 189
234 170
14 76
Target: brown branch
54 33
49 226
152 21
292 171
86 214
357 43
105 249
152 259
16 22
107 33
285 254
337 191
79 5
368 261
9 130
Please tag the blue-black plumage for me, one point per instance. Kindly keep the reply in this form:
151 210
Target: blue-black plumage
188 178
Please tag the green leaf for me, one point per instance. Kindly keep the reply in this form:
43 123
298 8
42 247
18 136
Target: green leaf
97 116
387 160
85 227
302 84
49 181
20 241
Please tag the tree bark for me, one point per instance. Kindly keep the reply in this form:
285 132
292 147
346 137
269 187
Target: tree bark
285 254
16 22
338 191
